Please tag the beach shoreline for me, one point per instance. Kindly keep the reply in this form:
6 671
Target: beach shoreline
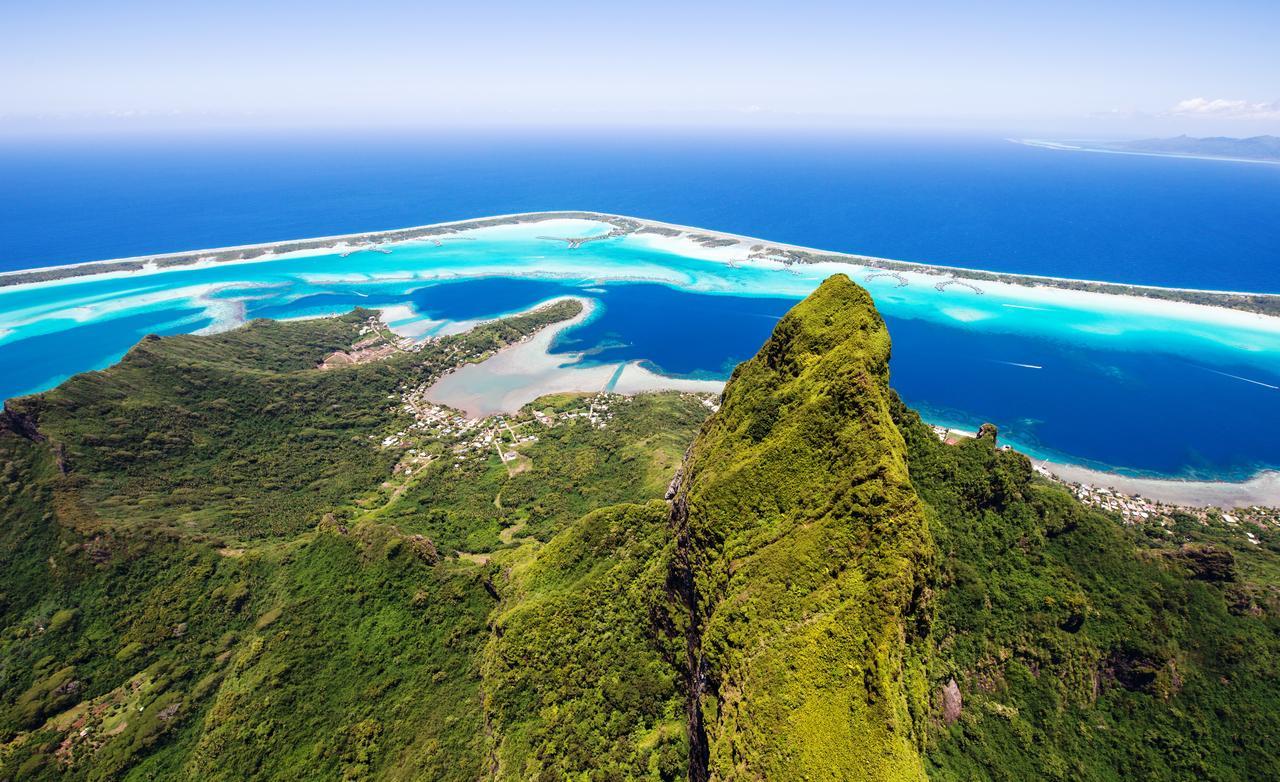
541 372
1247 301
733 250
1262 489
528 370
1063 147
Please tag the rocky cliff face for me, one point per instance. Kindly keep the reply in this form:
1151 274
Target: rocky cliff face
20 423
804 561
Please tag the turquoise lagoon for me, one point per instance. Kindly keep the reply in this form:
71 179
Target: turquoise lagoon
1118 383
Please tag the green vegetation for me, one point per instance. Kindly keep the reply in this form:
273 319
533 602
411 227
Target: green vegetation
239 434
334 656
806 559
218 561
1084 649
572 469
580 681
280 635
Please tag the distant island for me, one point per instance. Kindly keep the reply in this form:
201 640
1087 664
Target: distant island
1258 149
1253 148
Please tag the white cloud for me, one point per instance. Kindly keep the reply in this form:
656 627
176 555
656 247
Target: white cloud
1228 109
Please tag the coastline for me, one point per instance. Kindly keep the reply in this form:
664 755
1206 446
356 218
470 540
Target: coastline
1060 146
531 372
521 373
1260 303
1045 291
526 371
1262 489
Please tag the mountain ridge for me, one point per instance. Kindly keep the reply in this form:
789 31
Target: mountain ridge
798 523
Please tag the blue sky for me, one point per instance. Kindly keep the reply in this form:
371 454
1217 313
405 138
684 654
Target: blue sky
1054 68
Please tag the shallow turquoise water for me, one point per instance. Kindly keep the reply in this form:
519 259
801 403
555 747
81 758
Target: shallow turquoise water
1094 380
984 203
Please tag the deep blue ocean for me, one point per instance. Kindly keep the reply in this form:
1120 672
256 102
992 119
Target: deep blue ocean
1101 388
983 203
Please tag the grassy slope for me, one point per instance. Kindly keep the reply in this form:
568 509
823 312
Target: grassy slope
239 435
809 557
573 469
582 680
112 599
264 631
331 655
1084 649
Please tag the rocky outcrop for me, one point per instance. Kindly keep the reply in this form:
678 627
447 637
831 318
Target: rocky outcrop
21 423
1208 562
952 702
683 584
674 486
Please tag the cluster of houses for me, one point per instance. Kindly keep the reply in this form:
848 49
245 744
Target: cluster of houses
465 437
1136 509
376 343
950 436
1132 508
597 412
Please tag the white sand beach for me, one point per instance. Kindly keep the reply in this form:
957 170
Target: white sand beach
525 371
1040 293
521 373
1262 489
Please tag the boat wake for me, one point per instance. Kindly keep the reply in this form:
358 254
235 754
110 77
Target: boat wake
1245 379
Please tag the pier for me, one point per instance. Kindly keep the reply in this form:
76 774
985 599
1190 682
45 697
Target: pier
377 248
902 281
942 286
574 242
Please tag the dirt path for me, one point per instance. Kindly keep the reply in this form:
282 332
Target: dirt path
509 534
398 492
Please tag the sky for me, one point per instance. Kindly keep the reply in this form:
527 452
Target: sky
1056 69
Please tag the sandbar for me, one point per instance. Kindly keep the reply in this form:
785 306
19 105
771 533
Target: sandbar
520 373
